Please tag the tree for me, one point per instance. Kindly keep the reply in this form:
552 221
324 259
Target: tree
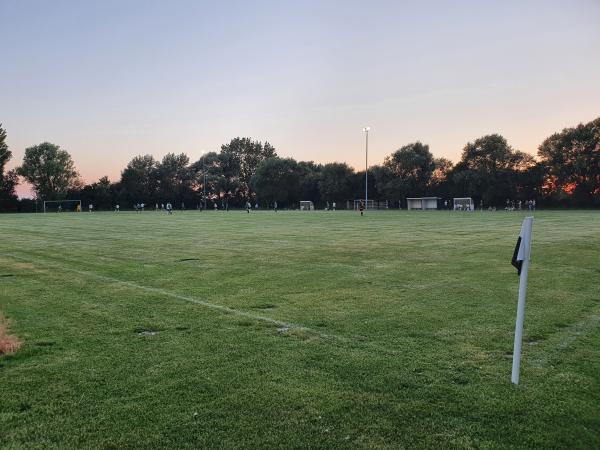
139 180
414 165
441 171
572 162
308 187
49 170
277 180
175 178
489 170
102 194
335 182
209 168
8 181
5 153
241 158
388 186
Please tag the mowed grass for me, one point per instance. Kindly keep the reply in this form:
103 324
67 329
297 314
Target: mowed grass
298 330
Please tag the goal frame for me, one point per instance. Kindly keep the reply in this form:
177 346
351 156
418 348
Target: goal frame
371 204
61 201
463 201
307 205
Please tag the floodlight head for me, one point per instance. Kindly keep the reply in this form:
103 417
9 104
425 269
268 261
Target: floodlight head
365 129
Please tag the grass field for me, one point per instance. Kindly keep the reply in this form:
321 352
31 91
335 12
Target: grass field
298 330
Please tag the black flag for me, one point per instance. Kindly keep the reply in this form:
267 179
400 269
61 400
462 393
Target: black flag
515 261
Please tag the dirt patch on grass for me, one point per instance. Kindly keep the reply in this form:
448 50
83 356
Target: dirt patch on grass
8 343
146 331
265 306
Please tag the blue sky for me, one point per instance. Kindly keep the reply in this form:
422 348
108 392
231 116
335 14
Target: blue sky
109 80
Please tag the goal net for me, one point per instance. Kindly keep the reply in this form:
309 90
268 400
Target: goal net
371 204
464 204
62 206
307 205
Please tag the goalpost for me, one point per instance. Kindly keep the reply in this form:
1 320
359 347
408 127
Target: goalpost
307 205
464 204
62 206
371 204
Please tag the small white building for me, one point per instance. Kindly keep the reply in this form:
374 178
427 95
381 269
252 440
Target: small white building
422 203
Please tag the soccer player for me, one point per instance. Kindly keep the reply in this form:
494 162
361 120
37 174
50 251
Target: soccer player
361 207
275 206
248 207
91 208
117 208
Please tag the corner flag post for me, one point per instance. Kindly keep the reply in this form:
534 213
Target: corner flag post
521 262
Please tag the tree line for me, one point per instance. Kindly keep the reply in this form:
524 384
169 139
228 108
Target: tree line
566 172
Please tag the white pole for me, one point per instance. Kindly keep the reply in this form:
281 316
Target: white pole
366 130
366 168
524 255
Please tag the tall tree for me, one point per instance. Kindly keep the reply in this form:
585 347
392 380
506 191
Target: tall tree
175 178
388 186
336 182
139 180
101 194
8 181
5 153
414 165
572 162
208 178
277 180
488 170
440 183
308 188
242 157
441 171
49 170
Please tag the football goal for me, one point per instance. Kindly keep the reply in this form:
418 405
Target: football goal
371 204
62 206
307 205
464 204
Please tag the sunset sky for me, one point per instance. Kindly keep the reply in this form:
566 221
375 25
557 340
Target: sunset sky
108 80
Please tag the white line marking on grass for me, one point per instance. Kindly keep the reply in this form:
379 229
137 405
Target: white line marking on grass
579 329
568 337
224 309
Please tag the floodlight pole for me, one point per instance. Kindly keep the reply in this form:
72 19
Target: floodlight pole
204 183
204 188
366 130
